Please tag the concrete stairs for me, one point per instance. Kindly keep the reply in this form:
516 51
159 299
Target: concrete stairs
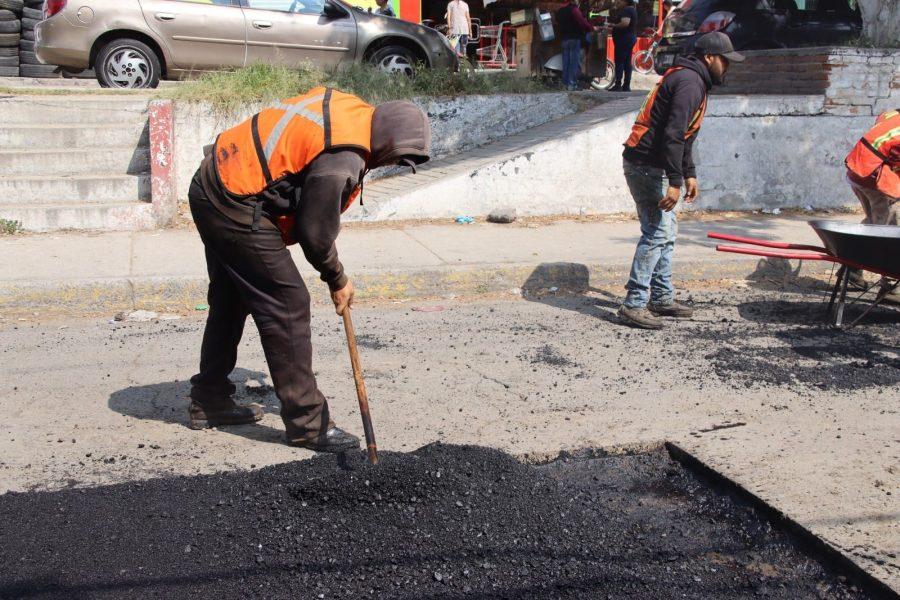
75 162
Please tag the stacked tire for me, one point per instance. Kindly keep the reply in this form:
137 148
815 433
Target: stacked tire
10 35
29 65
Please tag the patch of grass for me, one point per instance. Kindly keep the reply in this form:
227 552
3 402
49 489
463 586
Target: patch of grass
8 227
228 92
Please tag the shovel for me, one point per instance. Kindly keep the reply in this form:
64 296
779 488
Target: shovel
371 448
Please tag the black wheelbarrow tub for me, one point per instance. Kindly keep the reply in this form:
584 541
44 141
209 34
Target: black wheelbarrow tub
876 247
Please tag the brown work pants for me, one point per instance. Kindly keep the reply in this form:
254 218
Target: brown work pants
252 272
880 208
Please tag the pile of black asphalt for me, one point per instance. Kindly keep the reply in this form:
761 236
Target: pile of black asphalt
440 522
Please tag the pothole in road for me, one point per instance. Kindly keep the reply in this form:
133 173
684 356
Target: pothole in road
440 522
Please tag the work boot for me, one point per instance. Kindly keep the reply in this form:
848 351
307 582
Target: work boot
856 280
893 297
335 440
640 317
228 414
671 309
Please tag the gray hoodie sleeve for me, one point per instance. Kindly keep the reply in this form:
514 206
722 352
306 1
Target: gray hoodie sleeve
328 182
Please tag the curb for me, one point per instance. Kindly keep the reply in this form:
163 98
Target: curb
174 293
830 556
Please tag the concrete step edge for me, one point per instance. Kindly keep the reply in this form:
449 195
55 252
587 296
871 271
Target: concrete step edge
186 292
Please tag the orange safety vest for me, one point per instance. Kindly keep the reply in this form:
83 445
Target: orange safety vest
642 123
283 140
871 159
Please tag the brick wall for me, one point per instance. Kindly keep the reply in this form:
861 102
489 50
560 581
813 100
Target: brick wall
854 81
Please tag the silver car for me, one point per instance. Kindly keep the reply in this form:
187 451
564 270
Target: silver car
135 43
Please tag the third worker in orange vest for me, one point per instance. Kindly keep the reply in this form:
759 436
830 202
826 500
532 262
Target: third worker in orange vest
873 170
286 175
660 149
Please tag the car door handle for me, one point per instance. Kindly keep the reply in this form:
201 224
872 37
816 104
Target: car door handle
262 24
165 17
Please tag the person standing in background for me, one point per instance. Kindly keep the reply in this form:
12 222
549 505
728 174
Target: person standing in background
572 29
384 8
460 24
624 36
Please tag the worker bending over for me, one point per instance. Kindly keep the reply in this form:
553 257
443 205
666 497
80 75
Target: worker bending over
286 175
873 170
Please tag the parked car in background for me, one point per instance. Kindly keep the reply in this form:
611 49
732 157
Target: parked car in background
758 25
135 43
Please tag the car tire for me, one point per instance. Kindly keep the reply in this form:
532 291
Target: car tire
13 5
394 59
9 61
39 71
28 58
33 13
9 71
128 64
29 24
26 45
8 40
7 15
10 26
9 51
28 34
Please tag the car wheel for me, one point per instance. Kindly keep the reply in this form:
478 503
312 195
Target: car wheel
395 59
128 64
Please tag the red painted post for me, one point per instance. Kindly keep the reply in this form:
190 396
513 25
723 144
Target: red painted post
163 175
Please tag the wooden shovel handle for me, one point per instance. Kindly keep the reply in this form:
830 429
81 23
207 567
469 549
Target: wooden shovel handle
371 448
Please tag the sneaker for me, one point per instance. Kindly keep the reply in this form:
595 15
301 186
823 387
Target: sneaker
671 309
640 317
335 440
233 414
615 88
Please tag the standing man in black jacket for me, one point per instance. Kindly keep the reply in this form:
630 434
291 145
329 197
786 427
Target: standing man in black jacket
660 148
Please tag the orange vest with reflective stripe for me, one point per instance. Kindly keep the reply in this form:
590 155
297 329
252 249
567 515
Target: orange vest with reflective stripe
871 158
643 122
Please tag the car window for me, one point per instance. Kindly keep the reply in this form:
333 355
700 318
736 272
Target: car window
306 7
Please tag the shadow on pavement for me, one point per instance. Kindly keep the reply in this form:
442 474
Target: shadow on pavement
168 402
564 285
812 313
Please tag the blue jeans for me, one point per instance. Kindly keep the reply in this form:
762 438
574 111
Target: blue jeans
622 48
571 55
651 270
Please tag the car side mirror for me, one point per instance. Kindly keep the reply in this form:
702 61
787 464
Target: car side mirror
333 11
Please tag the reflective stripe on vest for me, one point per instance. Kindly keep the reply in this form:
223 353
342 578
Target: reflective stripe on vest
871 158
643 122
283 140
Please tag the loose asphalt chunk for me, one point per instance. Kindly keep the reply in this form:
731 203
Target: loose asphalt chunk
440 522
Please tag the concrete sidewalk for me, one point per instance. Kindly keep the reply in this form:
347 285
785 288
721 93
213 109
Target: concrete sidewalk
166 269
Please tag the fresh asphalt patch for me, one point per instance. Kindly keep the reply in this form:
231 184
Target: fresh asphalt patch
441 522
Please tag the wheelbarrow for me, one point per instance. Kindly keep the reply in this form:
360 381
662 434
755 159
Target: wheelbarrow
872 248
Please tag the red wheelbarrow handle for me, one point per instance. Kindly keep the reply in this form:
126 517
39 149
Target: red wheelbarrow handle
789 255
764 243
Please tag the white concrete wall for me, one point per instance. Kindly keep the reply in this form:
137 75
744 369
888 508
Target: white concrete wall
458 124
753 152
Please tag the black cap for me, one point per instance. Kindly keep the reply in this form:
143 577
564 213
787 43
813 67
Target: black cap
717 43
